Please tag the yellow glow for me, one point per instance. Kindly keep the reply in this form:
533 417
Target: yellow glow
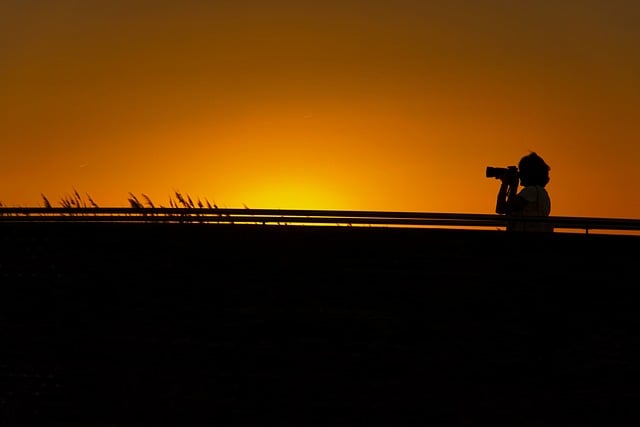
293 194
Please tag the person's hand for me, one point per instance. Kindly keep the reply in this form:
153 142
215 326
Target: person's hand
509 179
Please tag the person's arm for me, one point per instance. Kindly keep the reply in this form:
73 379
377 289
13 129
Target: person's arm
508 200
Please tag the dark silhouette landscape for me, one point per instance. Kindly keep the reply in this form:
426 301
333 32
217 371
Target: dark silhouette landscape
151 323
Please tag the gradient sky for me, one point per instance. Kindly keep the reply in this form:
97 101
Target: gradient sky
352 104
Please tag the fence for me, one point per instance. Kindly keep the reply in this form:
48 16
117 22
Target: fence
309 217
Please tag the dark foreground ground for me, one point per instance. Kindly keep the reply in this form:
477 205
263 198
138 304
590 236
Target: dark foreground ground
119 324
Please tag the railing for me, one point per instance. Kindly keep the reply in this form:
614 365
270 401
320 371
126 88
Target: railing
307 217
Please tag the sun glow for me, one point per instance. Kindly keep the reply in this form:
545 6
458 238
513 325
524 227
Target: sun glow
294 193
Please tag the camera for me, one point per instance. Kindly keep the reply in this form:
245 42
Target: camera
498 173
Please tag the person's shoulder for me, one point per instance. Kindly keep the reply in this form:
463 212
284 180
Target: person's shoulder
529 193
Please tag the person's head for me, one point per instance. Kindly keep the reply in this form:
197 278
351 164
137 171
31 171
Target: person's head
533 170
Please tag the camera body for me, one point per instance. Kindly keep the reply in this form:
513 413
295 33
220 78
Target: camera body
499 173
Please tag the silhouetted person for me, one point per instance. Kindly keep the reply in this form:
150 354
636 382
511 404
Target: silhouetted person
532 201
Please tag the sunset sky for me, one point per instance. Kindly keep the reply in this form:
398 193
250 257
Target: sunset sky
352 104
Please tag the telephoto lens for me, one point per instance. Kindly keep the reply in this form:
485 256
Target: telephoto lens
495 172
498 173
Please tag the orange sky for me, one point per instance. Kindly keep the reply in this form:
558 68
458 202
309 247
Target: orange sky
353 104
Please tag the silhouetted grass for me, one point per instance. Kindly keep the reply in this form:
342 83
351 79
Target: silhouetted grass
134 203
46 201
187 202
73 201
148 200
184 203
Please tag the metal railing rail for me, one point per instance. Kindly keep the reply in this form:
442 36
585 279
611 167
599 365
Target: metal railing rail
303 216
